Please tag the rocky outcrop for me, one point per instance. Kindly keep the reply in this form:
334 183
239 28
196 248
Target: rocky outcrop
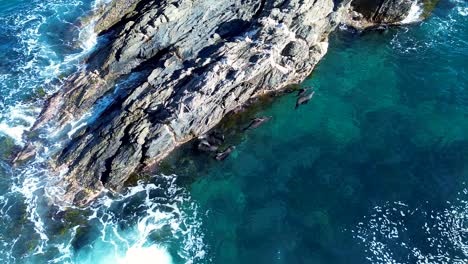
365 14
169 70
382 11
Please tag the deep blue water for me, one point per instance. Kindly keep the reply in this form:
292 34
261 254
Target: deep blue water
372 170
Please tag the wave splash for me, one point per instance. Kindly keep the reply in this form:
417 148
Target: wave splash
440 32
148 223
415 13
39 58
157 221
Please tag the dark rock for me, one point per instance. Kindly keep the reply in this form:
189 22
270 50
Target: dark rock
383 11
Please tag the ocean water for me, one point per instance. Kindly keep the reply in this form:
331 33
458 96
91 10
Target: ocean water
373 170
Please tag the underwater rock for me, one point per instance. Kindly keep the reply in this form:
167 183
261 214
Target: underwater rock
171 70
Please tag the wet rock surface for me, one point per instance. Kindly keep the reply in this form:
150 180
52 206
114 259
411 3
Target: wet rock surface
166 72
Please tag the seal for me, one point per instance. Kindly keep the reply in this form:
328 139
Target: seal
256 122
304 99
223 155
301 92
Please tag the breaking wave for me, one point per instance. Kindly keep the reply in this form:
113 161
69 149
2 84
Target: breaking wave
154 221
415 13
439 30
39 58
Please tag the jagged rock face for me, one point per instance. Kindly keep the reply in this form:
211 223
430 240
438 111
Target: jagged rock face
383 11
119 10
171 71
192 62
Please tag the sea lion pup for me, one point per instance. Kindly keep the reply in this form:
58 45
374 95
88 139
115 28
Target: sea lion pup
304 99
303 91
256 122
223 155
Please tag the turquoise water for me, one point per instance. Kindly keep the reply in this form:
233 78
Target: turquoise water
372 170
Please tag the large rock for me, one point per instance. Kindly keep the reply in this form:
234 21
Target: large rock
364 14
170 71
383 11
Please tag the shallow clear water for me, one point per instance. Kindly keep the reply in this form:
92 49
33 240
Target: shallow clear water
372 170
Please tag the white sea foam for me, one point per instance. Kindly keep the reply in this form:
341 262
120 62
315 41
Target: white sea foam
33 72
90 117
29 186
415 13
462 7
440 31
38 65
463 11
163 208
18 119
163 205
146 255
14 132
87 37
389 240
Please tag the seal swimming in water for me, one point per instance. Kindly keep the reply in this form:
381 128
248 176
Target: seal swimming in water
223 155
304 99
303 91
256 122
